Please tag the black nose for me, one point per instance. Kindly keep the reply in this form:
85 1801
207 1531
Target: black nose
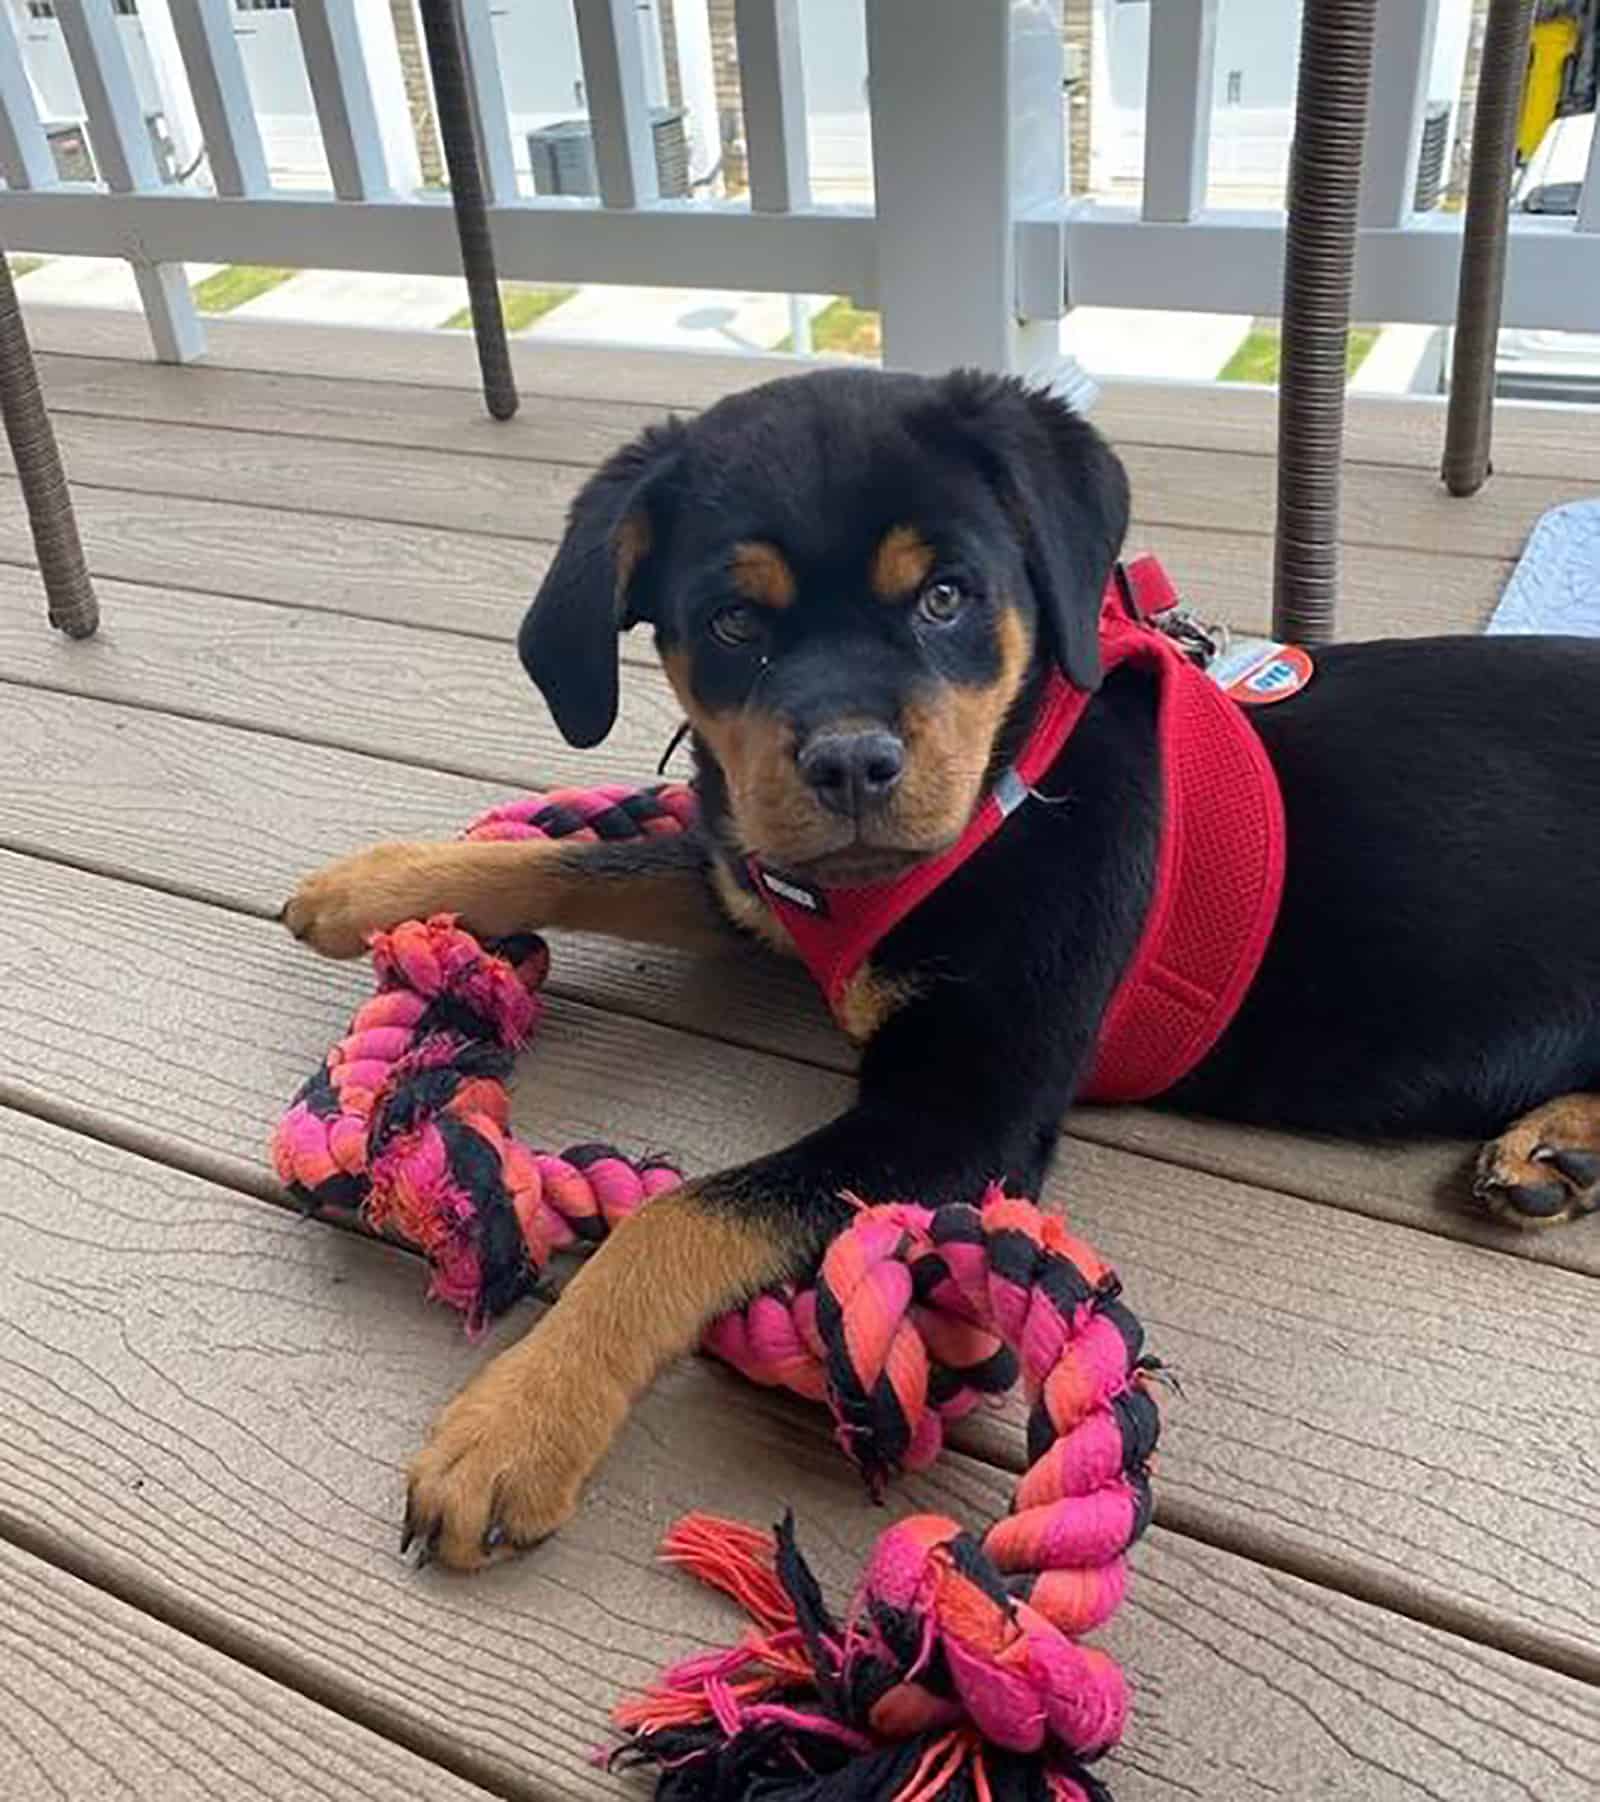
852 771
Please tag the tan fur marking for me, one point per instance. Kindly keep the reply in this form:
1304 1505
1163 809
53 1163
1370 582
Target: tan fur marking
497 887
774 811
950 741
869 998
760 574
518 1443
900 564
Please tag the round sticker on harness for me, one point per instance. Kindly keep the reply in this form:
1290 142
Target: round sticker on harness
1258 671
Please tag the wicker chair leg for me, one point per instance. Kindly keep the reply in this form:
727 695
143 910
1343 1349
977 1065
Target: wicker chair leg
67 587
1318 275
442 29
1469 426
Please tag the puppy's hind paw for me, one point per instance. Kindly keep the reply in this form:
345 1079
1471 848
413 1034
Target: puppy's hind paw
1546 1168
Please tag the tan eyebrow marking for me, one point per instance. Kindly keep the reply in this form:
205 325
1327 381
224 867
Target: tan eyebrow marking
760 574
900 564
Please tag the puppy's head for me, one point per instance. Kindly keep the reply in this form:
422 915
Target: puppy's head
852 578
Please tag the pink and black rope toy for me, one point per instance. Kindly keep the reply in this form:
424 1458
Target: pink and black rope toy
958 1673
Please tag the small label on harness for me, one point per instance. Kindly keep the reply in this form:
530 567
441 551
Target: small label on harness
1258 671
794 891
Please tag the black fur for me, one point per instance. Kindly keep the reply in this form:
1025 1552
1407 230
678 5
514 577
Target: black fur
1436 964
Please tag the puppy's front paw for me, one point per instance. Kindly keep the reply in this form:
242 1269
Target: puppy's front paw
507 1459
335 910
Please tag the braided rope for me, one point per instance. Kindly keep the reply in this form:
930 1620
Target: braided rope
957 1676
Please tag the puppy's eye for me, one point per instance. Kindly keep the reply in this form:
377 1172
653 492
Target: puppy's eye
941 602
734 626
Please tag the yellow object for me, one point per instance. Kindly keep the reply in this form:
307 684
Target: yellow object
1555 42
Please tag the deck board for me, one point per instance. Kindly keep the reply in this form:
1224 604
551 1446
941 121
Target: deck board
478 583
1359 1392
1386 508
106 1704
270 1522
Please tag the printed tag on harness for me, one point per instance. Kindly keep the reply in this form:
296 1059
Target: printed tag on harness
793 890
1258 671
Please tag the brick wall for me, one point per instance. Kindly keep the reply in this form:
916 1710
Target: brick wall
419 98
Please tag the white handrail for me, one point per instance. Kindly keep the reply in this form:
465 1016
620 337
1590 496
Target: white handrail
210 51
612 48
1402 57
1177 113
25 159
128 165
772 85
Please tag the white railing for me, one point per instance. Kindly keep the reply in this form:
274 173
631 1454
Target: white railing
972 249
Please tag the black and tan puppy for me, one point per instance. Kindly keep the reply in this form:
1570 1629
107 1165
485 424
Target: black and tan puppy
858 584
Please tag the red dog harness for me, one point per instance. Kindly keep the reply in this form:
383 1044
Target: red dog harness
1219 866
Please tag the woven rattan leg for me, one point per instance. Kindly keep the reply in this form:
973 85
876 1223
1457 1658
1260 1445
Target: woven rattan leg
442 29
1470 424
1318 275
67 587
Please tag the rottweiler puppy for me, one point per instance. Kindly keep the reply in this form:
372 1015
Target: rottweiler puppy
858 583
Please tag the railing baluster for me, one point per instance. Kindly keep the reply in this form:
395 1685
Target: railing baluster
1406 33
127 164
490 120
25 159
773 85
210 52
330 38
612 48
968 139
1177 113
1589 200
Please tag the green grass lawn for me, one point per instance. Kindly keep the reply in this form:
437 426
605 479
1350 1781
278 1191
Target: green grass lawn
21 266
232 287
844 328
1258 357
521 303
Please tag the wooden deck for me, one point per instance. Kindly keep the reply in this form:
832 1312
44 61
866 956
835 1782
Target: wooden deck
1375 1573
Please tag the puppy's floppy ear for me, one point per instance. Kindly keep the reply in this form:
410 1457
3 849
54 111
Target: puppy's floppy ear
597 585
1067 490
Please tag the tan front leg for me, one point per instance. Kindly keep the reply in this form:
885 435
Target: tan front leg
507 1459
653 891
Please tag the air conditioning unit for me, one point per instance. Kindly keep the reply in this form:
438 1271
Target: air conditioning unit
562 156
